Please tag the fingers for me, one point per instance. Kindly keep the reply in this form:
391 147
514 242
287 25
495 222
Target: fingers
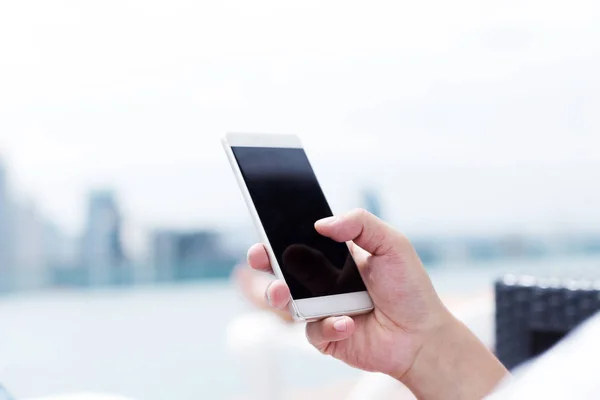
258 258
364 229
349 277
310 268
278 294
333 329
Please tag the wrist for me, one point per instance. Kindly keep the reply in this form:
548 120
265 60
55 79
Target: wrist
452 364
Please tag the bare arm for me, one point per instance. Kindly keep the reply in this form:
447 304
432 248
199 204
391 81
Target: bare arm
454 364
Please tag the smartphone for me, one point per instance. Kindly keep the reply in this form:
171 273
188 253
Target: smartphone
285 200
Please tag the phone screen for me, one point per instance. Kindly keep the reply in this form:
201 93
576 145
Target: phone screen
289 200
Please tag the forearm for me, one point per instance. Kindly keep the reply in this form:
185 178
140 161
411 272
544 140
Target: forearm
453 364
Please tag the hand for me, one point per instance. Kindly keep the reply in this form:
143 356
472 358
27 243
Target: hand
406 334
406 305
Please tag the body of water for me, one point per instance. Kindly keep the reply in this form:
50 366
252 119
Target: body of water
168 342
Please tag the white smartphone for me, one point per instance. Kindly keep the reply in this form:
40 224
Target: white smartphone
285 200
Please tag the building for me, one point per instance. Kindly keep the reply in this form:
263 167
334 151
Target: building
29 251
179 255
371 201
102 252
62 254
6 231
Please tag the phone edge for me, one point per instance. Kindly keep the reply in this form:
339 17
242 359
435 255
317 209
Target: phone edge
256 221
294 311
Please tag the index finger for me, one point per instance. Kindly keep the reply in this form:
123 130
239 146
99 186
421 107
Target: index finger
364 229
258 258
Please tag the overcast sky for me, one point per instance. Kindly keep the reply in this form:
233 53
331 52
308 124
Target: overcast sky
467 115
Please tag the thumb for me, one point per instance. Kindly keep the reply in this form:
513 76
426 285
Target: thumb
364 229
329 330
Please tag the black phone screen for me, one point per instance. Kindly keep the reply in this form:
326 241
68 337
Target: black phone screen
289 200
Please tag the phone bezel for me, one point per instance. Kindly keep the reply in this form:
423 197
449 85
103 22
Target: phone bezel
302 309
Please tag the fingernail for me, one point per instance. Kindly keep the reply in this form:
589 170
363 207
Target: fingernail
267 296
340 325
327 221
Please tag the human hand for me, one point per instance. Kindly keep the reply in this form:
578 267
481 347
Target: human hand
406 334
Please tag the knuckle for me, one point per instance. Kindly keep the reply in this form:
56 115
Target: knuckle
358 213
268 294
402 240
309 333
314 335
400 248
323 327
379 238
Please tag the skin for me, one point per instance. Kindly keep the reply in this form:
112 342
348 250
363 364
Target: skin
410 335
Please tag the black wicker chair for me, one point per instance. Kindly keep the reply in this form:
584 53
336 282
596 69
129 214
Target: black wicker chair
532 313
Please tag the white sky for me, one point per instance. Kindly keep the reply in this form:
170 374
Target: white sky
468 115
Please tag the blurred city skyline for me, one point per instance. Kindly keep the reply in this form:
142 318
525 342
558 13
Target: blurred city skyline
467 117
35 253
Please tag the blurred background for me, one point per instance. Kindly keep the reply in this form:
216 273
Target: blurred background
471 126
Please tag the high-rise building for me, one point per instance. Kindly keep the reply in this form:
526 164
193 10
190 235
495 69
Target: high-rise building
60 249
372 202
102 249
188 255
6 231
29 258
61 254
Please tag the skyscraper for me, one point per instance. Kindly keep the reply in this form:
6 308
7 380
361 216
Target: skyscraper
102 249
29 258
181 255
6 231
371 202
